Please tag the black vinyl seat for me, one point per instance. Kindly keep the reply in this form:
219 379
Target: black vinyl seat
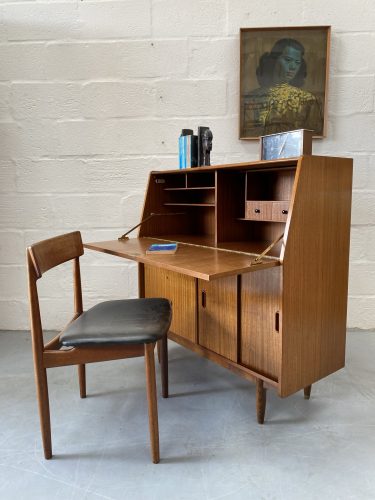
125 322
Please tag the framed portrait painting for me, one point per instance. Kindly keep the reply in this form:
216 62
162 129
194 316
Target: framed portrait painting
283 80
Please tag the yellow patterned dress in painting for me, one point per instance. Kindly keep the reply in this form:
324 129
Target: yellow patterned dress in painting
269 110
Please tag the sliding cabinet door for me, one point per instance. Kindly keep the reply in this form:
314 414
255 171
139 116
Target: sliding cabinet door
217 316
181 291
261 321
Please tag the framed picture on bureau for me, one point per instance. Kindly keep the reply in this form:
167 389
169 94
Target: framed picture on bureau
283 80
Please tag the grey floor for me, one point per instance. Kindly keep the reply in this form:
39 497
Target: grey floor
211 445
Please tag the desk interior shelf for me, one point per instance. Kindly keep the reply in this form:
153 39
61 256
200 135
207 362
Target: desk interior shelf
218 202
190 191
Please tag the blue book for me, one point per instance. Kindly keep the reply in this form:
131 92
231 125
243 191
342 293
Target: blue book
162 248
182 151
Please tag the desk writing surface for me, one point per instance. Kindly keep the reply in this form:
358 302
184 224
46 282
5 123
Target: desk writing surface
197 261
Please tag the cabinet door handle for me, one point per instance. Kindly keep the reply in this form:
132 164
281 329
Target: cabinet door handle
277 321
257 210
204 298
284 212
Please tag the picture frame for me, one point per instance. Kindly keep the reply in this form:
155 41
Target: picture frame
289 144
283 80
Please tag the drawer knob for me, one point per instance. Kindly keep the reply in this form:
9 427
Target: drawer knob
284 212
257 210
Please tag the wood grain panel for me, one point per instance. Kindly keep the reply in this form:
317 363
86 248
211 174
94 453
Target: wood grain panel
260 342
315 277
181 291
217 316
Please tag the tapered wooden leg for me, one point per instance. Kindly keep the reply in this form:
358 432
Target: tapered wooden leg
307 392
152 401
163 343
261 401
82 380
44 415
158 348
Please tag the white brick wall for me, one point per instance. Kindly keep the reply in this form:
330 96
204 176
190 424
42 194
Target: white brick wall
93 95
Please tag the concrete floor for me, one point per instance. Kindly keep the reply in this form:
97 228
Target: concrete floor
211 445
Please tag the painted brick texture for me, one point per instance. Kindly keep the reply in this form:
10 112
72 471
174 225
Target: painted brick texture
93 95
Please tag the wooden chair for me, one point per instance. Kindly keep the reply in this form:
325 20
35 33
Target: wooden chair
114 329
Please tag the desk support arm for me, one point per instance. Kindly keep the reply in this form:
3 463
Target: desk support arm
124 237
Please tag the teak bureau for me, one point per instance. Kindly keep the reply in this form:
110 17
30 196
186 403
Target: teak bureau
279 319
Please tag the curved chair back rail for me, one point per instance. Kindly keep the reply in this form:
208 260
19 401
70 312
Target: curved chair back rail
50 253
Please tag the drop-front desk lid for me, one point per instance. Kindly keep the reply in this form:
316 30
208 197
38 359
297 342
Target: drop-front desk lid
200 261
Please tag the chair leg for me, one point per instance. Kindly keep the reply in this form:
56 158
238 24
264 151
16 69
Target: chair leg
164 365
260 401
152 401
82 380
44 414
158 348
307 392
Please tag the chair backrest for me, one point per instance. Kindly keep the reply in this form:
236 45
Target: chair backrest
55 251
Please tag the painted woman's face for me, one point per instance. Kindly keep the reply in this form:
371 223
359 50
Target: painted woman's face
287 65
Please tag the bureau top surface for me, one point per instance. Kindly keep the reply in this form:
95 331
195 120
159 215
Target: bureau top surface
249 165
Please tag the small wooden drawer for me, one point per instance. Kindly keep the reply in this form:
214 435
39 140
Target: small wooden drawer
280 211
259 210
